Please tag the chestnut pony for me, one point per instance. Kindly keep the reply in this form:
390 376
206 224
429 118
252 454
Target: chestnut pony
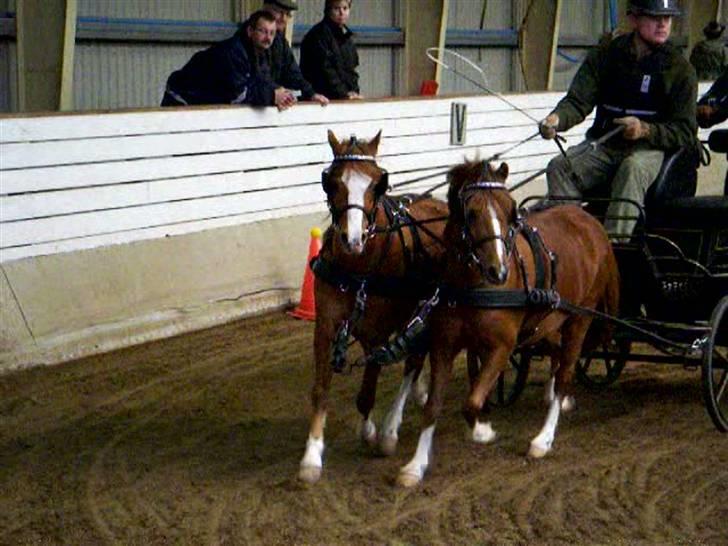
489 251
373 237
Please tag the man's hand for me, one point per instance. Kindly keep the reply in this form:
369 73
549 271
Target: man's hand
353 95
323 101
634 128
705 115
548 126
284 98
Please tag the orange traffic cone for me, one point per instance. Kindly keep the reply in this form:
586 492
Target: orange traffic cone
307 308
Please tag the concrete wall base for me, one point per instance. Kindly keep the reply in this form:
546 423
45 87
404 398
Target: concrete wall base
140 329
64 306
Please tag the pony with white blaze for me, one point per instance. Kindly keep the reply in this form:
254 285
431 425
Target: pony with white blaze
378 259
512 282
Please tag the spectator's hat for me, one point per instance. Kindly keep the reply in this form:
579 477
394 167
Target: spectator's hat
655 8
713 30
288 5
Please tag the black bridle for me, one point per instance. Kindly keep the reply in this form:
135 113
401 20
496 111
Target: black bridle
379 190
471 243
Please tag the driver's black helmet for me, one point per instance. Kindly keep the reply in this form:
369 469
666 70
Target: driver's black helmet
653 7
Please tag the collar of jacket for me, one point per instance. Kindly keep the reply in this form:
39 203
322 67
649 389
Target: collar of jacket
626 43
340 32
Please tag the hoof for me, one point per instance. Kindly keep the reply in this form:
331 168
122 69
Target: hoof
388 445
405 479
309 474
568 404
483 433
537 452
368 434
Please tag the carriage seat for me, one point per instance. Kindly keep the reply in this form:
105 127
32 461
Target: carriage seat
694 212
678 177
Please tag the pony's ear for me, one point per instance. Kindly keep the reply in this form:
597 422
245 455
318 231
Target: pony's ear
374 143
333 142
503 171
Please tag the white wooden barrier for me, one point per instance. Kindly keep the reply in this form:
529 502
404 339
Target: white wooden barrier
70 182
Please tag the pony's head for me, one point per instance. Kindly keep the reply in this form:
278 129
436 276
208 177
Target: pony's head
354 183
486 215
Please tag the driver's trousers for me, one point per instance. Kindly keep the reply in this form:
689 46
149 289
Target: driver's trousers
588 168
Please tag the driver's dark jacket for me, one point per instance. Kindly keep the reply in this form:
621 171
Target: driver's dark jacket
661 89
229 72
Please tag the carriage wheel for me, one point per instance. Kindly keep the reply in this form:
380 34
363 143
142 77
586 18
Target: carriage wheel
597 372
715 367
512 381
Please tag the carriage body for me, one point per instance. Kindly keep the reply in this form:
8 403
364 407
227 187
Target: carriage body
686 247
676 267
674 287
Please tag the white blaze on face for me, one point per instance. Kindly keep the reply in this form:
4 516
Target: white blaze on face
500 246
356 183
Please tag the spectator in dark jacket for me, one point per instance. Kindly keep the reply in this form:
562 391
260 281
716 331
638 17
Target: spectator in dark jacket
328 55
251 68
713 106
708 56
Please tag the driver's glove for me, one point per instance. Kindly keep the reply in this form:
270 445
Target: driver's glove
634 128
548 126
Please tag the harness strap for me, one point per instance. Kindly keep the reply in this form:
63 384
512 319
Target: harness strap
490 298
412 287
413 339
391 209
538 250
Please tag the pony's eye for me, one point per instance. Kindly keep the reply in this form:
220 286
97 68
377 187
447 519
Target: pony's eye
471 217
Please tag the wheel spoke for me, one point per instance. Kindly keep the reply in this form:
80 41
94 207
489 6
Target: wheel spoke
721 386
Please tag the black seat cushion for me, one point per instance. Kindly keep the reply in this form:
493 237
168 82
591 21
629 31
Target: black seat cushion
703 211
678 177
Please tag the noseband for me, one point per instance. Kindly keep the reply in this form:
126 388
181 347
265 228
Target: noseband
472 244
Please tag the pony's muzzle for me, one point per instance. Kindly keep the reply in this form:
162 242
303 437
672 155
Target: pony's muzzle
354 245
496 274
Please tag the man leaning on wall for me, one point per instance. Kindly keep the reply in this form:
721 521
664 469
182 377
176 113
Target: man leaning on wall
255 66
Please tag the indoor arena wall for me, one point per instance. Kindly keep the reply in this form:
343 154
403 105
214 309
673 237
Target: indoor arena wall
121 227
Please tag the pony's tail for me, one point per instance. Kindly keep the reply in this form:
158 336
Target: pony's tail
601 331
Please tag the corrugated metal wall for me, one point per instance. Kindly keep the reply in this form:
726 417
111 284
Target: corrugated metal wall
122 75
578 18
8 65
496 62
116 74
191 10
8 78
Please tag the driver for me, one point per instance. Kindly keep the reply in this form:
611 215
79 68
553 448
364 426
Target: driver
641 82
